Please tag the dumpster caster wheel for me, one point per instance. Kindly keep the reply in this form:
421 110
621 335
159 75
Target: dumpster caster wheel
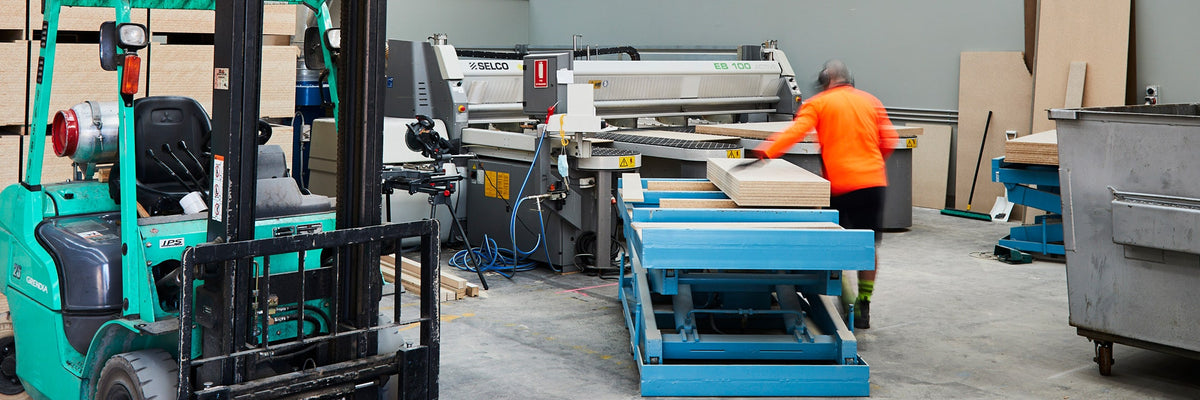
1104 357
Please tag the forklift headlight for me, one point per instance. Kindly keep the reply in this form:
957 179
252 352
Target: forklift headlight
333 39
132 36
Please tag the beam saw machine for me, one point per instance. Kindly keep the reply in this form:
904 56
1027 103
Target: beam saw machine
544 131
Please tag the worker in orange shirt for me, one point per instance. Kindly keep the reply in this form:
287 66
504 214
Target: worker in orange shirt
855 137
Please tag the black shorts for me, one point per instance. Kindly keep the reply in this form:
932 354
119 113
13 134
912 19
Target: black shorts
861 209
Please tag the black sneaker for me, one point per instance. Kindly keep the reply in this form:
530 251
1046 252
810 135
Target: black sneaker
862 314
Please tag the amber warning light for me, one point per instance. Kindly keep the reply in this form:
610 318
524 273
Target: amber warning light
129 77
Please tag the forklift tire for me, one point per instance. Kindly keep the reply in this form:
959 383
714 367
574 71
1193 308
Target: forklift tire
139 375
10 384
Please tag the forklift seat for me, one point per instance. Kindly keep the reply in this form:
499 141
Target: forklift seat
167 120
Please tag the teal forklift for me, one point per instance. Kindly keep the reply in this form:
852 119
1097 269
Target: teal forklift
183 262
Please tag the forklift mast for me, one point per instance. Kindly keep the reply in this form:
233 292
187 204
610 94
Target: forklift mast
233 285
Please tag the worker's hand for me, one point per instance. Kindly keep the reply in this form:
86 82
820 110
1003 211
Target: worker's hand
756 153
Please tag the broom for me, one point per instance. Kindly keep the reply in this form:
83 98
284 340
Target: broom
974 178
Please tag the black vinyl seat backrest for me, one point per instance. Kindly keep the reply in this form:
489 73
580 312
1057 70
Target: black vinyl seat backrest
168 120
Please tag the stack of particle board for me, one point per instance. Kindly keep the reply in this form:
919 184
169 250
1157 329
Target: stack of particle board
770 183
278 19
452 287
178 69
751 130
1039 148
186 70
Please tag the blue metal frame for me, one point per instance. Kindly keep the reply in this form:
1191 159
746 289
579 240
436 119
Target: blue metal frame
759 274
1045 236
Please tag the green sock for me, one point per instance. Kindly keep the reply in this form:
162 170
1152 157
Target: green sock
864 290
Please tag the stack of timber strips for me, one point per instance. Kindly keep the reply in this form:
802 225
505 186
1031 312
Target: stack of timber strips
768 183
1039 148
452 287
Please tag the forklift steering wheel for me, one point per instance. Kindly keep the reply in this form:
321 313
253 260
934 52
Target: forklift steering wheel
264 132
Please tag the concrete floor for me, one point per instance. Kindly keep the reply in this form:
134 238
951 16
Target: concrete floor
948 323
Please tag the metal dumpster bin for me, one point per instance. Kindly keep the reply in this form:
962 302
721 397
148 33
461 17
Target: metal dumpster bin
1131 224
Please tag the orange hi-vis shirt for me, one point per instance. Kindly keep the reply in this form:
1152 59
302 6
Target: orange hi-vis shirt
854 132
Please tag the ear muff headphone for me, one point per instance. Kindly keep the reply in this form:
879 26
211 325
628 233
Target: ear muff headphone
823 77
826 76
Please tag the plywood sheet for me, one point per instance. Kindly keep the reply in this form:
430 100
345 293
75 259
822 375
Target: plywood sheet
696 203
278 19
909 131
631 188
774 183
186 70
1075 79
1091 31
1039 148
988 81
682 186
751 130
931 166
82 18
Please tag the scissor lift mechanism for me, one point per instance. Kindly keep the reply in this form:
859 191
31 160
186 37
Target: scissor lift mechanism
1033 186
771 274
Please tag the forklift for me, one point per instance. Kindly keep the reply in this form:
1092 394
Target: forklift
183 262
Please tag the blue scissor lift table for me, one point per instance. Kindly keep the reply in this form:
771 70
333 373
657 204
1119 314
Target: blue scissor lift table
739 302
1036 186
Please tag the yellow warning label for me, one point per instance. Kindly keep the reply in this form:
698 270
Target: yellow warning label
733 153
628 162
495 184
910 143
596 83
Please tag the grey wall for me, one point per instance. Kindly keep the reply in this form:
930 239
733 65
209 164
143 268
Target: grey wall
1168 53
481 23
905 52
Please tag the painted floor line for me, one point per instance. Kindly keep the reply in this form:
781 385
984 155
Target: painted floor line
579 290
1085 366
